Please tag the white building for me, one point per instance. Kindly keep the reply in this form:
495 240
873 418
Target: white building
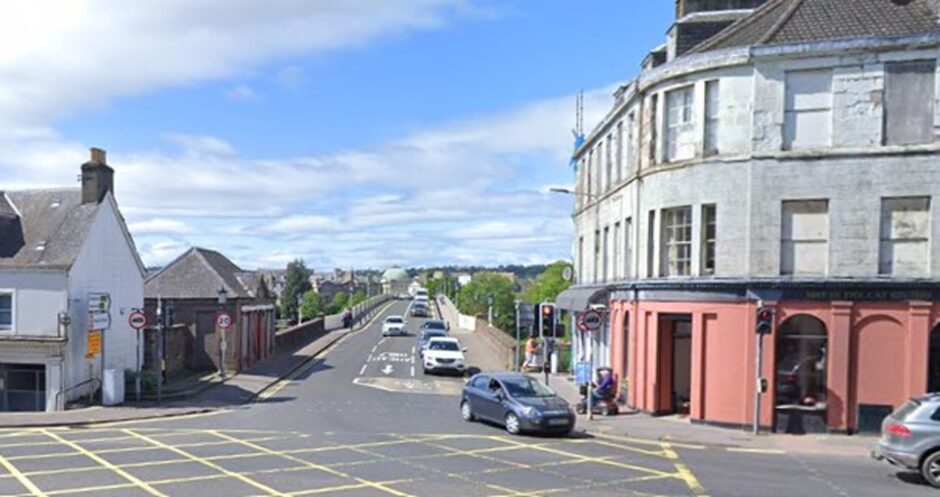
776 150
57 248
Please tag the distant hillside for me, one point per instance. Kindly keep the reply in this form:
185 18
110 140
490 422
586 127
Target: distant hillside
522 272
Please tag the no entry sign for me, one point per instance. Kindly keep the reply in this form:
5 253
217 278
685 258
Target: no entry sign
137 320
224 321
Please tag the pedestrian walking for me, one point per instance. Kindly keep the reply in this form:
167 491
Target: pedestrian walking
531 353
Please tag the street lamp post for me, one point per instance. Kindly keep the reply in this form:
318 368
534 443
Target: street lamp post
223 344
300 312
489 310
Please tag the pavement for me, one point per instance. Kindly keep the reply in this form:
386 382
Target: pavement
346 423
680 430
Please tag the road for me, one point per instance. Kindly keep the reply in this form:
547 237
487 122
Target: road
363 420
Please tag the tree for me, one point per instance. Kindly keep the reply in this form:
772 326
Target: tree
312 305
339 303
298 283
474 296
548 284
358 298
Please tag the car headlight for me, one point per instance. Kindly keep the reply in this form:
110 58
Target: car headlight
530 412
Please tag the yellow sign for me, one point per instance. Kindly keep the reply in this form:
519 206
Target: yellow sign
94 343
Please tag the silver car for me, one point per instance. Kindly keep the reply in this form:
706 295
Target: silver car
910 438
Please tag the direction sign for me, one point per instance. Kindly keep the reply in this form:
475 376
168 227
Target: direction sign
94 343
99 320
137 319
591 321
224 321
100 302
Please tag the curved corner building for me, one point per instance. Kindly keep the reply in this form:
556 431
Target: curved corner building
782 152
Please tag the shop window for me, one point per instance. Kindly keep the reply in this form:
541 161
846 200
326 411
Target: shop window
6 311
801 365
680 127
905 236
804 239
677 241
808 109
933 361
909 102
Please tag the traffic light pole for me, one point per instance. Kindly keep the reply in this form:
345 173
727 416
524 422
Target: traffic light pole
758 369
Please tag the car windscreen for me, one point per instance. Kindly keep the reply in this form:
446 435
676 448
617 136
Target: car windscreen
431 334
906 410
527 387
434 325
394 320
450 346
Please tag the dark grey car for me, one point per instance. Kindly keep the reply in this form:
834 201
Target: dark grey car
910 438
516 401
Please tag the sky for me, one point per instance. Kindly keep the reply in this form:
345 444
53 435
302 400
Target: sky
348 133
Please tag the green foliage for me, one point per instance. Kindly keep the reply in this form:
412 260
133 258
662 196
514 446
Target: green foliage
548 284
358 298
312 305
339 303
472 298
446 285
298 283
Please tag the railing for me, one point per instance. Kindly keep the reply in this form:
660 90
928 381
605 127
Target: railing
91 394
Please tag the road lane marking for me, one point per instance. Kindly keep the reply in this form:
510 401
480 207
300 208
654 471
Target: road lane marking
363 370
685 474
371 484
647 441
743 450
20 477
208 464
412 371
106 464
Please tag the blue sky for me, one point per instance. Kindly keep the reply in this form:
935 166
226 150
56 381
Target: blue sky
349 133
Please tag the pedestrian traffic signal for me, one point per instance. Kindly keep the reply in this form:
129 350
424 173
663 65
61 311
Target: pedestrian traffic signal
547 320
765 320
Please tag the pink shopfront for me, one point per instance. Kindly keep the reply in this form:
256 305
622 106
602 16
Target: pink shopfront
841 355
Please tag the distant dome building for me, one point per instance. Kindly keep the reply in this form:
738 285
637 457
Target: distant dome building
395 280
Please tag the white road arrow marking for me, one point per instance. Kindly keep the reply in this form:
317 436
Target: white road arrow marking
388 369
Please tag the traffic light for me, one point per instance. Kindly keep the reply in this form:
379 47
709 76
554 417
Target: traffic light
765 320
547 320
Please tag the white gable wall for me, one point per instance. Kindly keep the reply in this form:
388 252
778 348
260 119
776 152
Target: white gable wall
106 263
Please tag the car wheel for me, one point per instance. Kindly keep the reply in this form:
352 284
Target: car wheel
581 409
465 412
512 424
930 469
605 410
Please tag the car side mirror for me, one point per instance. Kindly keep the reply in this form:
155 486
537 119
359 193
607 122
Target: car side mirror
464 350
500 396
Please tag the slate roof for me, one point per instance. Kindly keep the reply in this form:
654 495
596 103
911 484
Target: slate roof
801 21
198 274
52 227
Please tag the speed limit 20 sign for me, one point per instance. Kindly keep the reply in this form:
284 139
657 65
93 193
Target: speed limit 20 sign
224 321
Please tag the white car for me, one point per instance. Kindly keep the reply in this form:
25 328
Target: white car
394 325
443 354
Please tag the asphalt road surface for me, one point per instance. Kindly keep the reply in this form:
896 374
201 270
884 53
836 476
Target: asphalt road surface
363 420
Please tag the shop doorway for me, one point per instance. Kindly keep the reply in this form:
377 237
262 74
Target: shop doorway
801 366
675 370
933 361
22 387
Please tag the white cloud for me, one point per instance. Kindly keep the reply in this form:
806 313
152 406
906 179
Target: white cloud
91 51
242 93
160 226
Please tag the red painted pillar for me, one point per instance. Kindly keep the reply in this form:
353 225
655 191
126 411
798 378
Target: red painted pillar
697 407
840 382
918 348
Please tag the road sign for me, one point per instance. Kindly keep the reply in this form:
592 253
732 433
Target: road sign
137 319
224 321
99 320
582 372
591 321
94 343
98 301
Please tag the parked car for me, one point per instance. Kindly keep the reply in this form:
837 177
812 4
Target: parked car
910 438
394 325
443 354
516 401
425 338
